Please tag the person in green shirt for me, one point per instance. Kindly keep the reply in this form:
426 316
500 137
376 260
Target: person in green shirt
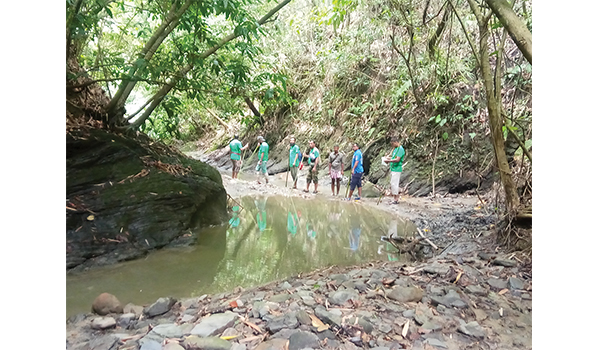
263 157
395 162
235 148
314 158
295 159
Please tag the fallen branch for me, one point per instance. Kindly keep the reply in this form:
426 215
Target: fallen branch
427 239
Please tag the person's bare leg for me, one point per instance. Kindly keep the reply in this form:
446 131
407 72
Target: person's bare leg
338 186
332 187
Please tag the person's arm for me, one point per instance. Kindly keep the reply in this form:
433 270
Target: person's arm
245 147
329 164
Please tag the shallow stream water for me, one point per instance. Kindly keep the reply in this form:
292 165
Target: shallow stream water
266 239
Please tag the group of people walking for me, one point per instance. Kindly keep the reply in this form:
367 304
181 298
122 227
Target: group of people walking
394 158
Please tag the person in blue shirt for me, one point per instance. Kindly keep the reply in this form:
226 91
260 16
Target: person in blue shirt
357 172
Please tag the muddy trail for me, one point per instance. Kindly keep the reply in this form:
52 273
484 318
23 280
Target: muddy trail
461 291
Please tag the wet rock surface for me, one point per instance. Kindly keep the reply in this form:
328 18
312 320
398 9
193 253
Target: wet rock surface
455 299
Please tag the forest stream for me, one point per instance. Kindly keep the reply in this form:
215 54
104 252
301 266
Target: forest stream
299 268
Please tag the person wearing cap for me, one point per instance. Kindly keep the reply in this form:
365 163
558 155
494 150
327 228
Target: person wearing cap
357 172
395 162
295 160
235 147
313 166
263 157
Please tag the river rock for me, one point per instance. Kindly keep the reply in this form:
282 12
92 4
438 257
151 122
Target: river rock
168 330
151 342
406 294
125 319
437 269
103 323
497 283
436 342
134 309
278 323
214 324
515 283
473 329
327 316
173 346
285 285
279 298
504 262
208 343
105 342
340 297
303 317
476 289
301 340
273 344
161 306
107 303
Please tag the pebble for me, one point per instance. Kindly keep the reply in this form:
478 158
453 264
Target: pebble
103 323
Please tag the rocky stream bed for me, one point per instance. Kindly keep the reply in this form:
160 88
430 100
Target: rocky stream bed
466 294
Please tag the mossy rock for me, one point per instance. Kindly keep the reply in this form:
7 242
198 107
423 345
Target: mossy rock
130 196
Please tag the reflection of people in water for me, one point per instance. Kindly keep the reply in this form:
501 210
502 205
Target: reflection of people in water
261 216
292 222
333 221
235 218
310 230
354 232
393 228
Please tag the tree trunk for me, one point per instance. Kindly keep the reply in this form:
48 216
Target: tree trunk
254 110
494 110
438 33
127 85
514 25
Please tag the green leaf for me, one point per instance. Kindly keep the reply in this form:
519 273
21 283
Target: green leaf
445 136
472 134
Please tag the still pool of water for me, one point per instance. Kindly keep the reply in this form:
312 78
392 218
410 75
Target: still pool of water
268 238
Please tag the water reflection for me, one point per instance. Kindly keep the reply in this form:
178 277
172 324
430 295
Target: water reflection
266 238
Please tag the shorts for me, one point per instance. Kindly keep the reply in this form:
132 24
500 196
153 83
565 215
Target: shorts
395 182
236 164
356 181
294 171
261 167
312 176
336 174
